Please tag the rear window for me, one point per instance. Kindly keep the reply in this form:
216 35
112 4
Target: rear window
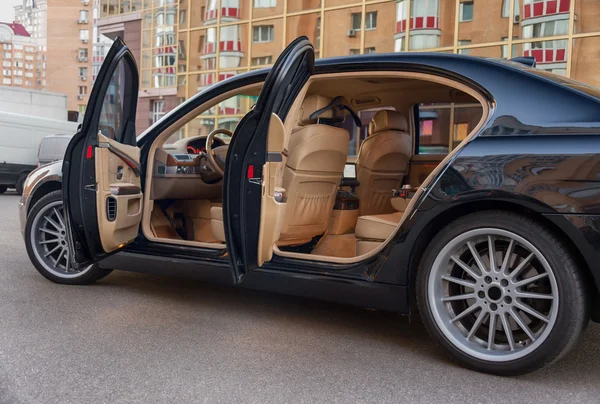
443 126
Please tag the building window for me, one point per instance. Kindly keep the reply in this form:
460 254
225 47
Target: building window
355 20
7 46
6 72
83 72
262 60
264 3
263 33
84 16
424 41
318 32
158 110
83 54
6 81
81 109
82 91
7 55
370 50
505 48
506 9
371 20
84 35
464 51
355 51
466 11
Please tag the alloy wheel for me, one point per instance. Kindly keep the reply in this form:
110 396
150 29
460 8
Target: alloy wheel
49 242
493 294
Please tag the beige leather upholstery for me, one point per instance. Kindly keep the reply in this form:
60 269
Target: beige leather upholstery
216 222
371 231
382 161
377 227
316 156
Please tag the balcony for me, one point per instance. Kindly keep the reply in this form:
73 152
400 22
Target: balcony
82 21
226 12
545 8
224 47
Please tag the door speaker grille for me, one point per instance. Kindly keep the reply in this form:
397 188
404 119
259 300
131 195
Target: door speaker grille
111 208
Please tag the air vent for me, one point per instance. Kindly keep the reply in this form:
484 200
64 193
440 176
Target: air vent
161 170
111 209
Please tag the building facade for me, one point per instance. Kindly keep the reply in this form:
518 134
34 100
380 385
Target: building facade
23 62
63 32
187 45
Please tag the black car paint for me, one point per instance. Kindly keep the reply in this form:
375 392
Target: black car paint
532 120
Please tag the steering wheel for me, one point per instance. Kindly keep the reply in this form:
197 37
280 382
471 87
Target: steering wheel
216 156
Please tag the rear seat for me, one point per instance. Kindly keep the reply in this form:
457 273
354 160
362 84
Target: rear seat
372 230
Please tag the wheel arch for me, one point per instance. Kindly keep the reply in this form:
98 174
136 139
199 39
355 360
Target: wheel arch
41 190
562 232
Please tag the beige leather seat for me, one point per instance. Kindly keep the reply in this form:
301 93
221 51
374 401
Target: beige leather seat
316 156
372 230
216 222
382 161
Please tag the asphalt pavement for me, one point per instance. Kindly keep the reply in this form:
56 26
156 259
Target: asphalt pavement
135 338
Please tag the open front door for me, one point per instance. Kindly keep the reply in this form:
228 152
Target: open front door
101 170
250 151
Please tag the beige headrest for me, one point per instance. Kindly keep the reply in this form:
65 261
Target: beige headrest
311 104
388 120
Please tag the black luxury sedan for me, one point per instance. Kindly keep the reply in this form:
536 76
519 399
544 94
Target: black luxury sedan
464 190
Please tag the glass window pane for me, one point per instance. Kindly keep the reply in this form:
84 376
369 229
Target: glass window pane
203 50
114 106
587 15
340 38
233 46
434 133
585 61
381 37
465 120
482 21
267 8
487 52
305 24
302 5
549 55
267 39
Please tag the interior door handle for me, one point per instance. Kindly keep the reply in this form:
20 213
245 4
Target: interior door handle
120 173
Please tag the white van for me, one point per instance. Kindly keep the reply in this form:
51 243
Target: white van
52 148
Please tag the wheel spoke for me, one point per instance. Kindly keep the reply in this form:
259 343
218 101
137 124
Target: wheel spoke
51 251
59 216
532 279
522 324
59 257
53 223
68 264
459 297
507 332
459 281
465 312
477 257
49 241
54 233
521 266
532 312
477 324
492 253
465 267
530 295
492 330
507 256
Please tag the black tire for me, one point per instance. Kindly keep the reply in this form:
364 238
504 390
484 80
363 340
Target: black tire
20 184
88 276
572 312
3 188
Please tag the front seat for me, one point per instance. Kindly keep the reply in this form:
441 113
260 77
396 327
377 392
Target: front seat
316 156
382 162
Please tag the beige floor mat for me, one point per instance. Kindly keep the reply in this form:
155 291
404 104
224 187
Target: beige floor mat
342 245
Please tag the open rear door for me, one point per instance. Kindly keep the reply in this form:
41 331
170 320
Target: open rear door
250 151
101 170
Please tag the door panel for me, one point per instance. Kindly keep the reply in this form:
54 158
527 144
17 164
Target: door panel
101 171
118 195
248 154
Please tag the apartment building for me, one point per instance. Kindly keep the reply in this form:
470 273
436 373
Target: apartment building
187 45
63 31
23 64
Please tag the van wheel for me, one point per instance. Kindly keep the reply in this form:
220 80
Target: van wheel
501 294
47 247
20 184
3 188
